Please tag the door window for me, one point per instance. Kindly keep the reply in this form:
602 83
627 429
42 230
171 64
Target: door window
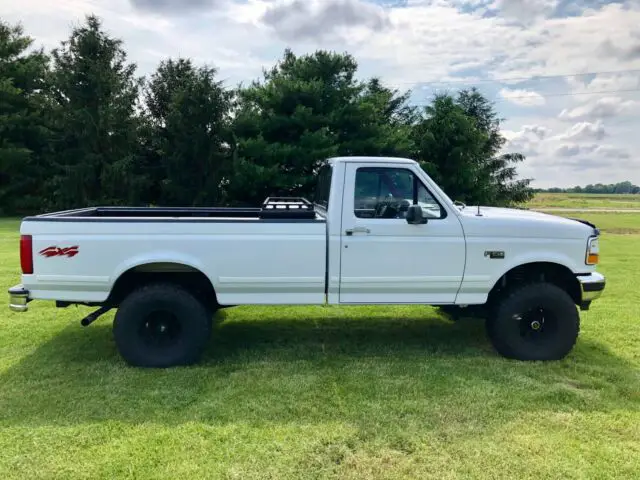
382 192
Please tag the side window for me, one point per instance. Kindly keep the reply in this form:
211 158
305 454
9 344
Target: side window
323 187
387 193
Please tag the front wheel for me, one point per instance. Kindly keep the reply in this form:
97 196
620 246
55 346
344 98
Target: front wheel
537 321
161 325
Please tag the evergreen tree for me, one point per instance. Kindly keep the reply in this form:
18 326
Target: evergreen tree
190 138
306 109
94 94
459 143
23 132
498 173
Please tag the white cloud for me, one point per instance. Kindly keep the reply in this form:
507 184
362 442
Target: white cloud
314 19
584 131
574 149
611 151
526 140
537 132
175 7
571 44
526 10
605 107
624 50
606 82
525 98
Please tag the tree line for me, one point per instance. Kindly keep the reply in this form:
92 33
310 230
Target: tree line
79 127
611 188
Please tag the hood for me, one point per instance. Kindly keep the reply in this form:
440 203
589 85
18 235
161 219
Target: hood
513 222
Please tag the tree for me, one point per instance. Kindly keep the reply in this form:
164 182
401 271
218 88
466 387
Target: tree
458 141
94 95
23 132
306 109
376 122
498 173
190 138
449 147
623 187
283 125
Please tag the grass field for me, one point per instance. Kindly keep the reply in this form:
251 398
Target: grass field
387 392
584 200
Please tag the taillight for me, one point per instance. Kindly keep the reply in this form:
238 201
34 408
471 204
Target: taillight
26 254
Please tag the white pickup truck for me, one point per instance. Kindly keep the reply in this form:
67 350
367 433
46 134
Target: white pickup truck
378 231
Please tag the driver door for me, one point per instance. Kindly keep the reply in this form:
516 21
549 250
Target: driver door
384 259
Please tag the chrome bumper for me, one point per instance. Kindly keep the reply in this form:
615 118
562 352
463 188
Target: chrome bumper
591 286
18 298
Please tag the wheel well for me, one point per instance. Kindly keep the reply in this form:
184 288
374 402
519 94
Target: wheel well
188 277
554 273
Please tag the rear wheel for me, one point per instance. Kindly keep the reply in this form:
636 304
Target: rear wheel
161 325
537 321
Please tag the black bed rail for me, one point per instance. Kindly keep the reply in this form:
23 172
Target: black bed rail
287 207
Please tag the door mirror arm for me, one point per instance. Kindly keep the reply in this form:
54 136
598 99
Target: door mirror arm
415 215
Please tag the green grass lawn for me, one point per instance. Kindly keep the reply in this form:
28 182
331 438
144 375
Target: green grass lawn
385 392
584 200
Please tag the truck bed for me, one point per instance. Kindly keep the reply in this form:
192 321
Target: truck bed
273 209
250 255
170 212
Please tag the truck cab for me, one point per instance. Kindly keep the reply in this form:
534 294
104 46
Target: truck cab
377 230
376 253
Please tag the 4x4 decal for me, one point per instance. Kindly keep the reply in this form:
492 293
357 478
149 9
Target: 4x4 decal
54 251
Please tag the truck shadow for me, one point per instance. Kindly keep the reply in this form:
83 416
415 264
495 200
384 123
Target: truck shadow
287 369
357 335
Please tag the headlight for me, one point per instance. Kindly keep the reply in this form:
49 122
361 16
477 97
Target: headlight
593 251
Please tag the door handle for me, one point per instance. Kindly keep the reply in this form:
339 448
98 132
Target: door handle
351 231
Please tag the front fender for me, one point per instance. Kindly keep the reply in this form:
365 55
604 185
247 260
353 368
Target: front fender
483 271
535 257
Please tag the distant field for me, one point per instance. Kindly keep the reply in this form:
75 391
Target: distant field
584 200
622 223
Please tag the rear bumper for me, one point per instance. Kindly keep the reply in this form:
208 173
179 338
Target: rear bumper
591 286
18 298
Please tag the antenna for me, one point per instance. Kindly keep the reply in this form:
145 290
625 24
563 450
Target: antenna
479 213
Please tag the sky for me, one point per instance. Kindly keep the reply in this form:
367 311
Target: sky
564 74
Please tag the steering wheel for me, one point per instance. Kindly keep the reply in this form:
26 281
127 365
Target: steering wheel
381 210
389 209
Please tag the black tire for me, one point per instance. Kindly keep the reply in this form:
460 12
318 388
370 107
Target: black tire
161 325
512 329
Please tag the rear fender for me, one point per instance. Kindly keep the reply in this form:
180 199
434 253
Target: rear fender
174 258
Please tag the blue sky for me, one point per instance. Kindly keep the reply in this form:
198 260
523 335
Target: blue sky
573 110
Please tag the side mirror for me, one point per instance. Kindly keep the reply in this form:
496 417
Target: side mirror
415 215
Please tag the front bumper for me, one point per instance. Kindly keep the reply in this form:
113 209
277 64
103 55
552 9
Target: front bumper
18 298
591 287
